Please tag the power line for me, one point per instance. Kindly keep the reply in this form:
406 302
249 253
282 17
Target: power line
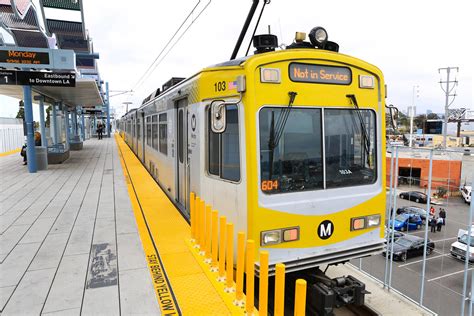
164 48
181 36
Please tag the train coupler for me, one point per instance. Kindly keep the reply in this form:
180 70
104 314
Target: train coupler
337 292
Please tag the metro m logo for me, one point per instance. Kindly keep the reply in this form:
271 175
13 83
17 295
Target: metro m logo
325 229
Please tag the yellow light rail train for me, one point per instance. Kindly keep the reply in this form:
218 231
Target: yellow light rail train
287 144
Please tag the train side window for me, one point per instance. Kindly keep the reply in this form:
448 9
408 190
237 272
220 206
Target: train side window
148 131
163 131
224 148
154 131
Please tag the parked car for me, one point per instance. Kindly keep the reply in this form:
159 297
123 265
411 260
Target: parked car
414 210
409 246
459 247
418 197
389 232
406 221
466 193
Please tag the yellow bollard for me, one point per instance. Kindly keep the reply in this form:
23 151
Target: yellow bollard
240 266
230 255
215 237
208 232
250 268
279 289
192 203
222 226
300 297
202 210
263 284
197 206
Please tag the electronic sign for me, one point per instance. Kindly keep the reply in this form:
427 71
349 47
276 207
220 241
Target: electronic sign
14 56
312 73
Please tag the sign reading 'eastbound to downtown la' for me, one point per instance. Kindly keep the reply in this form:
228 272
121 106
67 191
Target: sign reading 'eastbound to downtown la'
30 78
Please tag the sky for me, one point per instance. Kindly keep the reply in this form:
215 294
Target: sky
408 40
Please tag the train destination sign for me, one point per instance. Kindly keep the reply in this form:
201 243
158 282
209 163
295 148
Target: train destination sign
30 78
24 57
320 74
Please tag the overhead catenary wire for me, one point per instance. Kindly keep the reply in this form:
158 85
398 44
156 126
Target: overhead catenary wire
149 70
181 36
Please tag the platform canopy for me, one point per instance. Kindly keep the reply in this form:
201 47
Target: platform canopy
85 93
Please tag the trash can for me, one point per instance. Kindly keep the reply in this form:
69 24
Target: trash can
41 158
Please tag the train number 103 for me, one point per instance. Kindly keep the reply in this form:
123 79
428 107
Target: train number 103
220 86
269 185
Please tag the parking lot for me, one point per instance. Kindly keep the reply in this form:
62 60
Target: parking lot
444 274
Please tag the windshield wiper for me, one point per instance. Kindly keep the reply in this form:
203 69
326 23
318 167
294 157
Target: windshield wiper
365 136
277 131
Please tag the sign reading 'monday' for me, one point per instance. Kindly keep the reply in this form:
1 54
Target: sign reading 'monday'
320 74
24 57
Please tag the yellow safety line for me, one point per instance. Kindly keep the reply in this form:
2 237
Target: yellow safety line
163 292
161 225
11 152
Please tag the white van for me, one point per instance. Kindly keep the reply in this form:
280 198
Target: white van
459 248
466 193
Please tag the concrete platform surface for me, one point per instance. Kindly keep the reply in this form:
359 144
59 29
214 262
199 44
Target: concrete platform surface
66 236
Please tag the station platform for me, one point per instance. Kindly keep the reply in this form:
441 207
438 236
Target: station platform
96 235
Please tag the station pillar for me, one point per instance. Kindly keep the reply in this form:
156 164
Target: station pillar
74 123
83 126
55 124
44 140
30 135
108 109
66 125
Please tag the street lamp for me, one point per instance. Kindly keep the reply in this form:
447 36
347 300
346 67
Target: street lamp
412 111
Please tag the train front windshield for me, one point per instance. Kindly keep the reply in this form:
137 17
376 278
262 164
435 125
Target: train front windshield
293 156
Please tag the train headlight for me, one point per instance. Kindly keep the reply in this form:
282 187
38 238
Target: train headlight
270 75
270 237
318 36
373 220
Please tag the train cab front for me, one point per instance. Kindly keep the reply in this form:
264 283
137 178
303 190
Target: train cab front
316 165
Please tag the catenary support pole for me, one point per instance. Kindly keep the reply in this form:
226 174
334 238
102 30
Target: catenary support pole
108 108
44 140
30 136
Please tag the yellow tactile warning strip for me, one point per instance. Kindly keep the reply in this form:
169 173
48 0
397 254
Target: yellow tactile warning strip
175 271
11 152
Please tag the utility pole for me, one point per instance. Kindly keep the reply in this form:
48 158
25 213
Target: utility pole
448 94
412 112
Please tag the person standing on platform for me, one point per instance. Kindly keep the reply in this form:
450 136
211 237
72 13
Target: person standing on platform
100 130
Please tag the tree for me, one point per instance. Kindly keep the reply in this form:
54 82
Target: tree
48 116
21 110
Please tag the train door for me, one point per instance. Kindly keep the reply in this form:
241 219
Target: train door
182 176
142 132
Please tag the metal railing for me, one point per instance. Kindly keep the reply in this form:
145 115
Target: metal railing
425 280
